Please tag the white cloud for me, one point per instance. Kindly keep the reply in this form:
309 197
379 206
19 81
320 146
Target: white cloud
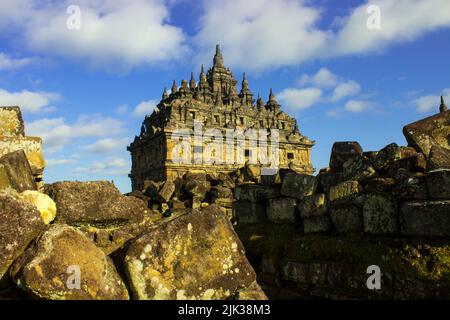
56 133
29 101
59 161
299 99
260 34
9 63
430 102
122 109
117 33
401 21
352 106
264 34
324 78
345 89
357 106
107 145
111 166
144 108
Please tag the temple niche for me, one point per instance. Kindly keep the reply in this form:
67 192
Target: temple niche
215 106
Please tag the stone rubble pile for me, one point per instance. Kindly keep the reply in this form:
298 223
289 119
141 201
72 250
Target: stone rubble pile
314 237
85 240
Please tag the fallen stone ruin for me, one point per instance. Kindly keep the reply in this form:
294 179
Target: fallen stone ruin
237 236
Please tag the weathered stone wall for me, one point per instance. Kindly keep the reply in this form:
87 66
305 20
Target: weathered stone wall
315 236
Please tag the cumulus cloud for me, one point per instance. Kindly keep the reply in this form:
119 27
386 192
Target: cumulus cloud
29 101
9 63
324 78
299 99
323 86
113 33
57 133
110 166
430 102
357 106
107 145
352 106
59 161
401 21
260 34
345 89
144 108
263 34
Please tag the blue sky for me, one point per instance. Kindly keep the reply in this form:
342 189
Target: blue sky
86 90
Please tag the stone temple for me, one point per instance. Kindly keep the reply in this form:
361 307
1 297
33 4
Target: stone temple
215 104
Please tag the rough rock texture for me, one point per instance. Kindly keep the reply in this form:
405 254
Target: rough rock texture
316 224
20 223
439 158
342 152
314 205
195 256
380 214
18 170
425 133
4 178
344 191
347 218
253 292
429 218
298 185
282 210
43 203
249 212
438 183
97 202
48 268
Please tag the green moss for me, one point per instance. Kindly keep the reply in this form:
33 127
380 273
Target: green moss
417 260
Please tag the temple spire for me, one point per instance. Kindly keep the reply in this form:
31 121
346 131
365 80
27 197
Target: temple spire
192 83
442 107
271 95
218 59
174 87
165 94
259 102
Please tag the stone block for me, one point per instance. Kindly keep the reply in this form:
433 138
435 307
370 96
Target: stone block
422 135
305 273
347 218
316 224
17 168
425 218
245 212
313 205
438 182
341 152
439 158
297 185
344 190
282 210
380 214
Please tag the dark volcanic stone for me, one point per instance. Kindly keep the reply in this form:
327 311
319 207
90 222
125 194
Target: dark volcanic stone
20 223
438 182
439 158
197 255
424 134
428 218
342 152
96 202
18 170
